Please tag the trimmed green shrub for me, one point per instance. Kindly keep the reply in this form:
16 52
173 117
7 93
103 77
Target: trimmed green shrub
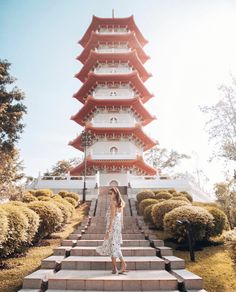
65 211
160 210
73 196
200 219
28 197
160 191
206 204
147 213
163 195
230 242
3 226
44 198
33 220
51 218
147 194
220 220
144 203
187 195
43 192
72 201
17 235
180 198
70 207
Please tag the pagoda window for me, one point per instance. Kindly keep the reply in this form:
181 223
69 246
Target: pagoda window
113 120
113 150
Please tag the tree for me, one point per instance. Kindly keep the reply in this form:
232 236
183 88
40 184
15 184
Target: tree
11 113
62 167
221 124
226 196
163 159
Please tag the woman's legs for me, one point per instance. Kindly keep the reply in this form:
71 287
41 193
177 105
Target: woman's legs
123 264
113 262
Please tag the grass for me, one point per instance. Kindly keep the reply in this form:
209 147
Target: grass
11 279
213 264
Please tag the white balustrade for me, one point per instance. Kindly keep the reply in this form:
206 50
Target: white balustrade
113 70
107 50
113 156
113 30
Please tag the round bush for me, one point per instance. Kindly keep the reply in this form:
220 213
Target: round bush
160 191
44 198
17 230
206 204
51 218
33 220
147 194
69 206
160 210
147 213
201 221
3 226
163 195
144 203
65 211
28 197
180 198
219 221
72 201
73 196
43 192
187 195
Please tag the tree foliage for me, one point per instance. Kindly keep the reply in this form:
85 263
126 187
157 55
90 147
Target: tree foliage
11 113
163 159
62 167
221 124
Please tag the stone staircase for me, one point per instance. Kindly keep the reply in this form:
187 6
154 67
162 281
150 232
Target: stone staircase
75 265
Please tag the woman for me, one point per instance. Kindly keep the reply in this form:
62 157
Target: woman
113 236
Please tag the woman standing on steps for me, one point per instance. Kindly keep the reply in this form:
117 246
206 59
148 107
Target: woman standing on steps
113 236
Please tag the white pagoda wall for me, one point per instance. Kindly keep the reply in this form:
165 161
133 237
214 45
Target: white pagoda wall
107 178
123 119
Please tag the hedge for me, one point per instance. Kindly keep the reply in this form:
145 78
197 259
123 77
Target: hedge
144 203
147 194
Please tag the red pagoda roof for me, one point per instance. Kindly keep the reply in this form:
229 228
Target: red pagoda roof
94 79
129 164
91 104
95 39
136 131
98 21
130 57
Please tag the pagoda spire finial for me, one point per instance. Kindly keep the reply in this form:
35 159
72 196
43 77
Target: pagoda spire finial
113 13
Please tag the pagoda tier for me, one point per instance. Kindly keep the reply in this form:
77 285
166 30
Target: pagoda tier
138 165
130 78
114 133
96 58
128 38
91 105
121 24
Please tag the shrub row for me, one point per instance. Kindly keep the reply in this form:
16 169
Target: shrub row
41 213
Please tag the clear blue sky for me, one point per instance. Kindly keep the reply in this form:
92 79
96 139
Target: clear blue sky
192 48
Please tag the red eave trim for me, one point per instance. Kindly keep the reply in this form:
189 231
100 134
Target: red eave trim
138 162
128 37
91 103
96 21
93 78
103 57
136 131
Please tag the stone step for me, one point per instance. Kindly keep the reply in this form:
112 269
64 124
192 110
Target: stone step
103 230
191 281
74 236
174 262
103 280
30 290
91 242
126 251
56 290
51 262
165 251
35 279
104 263
101 236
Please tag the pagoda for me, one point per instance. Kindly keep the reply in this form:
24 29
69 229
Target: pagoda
113 95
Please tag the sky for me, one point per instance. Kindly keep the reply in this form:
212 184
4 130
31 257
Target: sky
192 49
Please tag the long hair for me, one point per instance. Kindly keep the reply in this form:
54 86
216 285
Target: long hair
119 200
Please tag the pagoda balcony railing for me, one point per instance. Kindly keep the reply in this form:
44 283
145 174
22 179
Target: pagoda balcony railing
115 30
112 50
103 93
127 124
113 156
107 70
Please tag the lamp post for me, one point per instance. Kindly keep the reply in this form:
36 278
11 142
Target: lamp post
86 141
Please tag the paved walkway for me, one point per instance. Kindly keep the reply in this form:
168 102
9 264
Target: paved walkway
75 265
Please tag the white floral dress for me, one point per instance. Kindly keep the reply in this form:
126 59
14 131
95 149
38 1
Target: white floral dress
111 246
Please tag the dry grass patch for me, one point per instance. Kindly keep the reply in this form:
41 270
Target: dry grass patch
11 278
